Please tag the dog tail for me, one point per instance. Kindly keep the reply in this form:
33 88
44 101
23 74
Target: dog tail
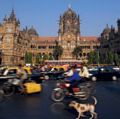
94 100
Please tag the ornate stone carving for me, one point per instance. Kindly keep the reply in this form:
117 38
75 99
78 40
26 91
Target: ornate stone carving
69 31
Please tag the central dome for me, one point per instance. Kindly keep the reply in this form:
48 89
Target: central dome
69 13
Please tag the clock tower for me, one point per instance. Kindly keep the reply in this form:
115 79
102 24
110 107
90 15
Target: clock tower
69 33
11 27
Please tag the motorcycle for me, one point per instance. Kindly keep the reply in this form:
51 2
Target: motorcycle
81 92
11 86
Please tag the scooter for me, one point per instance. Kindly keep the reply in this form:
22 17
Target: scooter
82 92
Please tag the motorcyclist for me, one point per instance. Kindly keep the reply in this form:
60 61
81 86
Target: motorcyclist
22 76
73 77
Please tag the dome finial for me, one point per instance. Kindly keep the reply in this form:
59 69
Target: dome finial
69 6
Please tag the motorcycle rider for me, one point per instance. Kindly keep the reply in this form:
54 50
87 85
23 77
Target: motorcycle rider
73 77
22 76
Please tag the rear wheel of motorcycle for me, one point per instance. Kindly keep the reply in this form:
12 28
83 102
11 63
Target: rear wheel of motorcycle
8 90
57 95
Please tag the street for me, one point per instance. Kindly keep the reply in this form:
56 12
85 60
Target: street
40 106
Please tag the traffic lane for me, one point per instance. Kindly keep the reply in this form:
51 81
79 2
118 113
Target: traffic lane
34 106
41 106
108 96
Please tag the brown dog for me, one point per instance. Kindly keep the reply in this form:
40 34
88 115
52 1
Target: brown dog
80 108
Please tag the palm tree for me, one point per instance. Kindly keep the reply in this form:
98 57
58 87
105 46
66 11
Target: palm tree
57 52
77 50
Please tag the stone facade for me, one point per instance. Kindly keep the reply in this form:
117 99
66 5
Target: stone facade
69 36
110 39
69 33
14 42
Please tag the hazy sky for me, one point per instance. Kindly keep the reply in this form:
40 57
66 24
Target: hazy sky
44 14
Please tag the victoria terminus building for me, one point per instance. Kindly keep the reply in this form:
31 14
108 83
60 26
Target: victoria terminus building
15 43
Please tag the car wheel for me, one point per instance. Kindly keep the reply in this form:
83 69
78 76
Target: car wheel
114 78
94 78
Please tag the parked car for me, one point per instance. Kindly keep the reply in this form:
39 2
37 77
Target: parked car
104 73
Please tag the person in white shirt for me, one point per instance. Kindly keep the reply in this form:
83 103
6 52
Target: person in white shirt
84 73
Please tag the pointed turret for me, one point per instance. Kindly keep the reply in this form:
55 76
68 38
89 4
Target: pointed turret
12 16
5 18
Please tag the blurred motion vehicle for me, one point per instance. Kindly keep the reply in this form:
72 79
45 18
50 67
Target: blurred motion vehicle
10 72
81 92
54 74
13 85
104 73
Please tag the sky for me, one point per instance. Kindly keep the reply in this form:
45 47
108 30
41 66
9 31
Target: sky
44 15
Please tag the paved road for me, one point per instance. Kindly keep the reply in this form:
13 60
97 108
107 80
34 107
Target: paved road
40 106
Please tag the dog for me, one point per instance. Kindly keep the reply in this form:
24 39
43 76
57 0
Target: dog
81 108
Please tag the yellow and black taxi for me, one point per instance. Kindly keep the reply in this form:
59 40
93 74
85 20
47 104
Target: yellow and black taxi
10 72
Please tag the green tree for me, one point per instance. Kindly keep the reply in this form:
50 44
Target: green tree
28 57
45 57
110 57
91 57
57 52
50 57
97 57
94 57
77 50
116 59
38 58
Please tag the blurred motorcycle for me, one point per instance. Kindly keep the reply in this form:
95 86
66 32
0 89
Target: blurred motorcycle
81 92
15 85
10 86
